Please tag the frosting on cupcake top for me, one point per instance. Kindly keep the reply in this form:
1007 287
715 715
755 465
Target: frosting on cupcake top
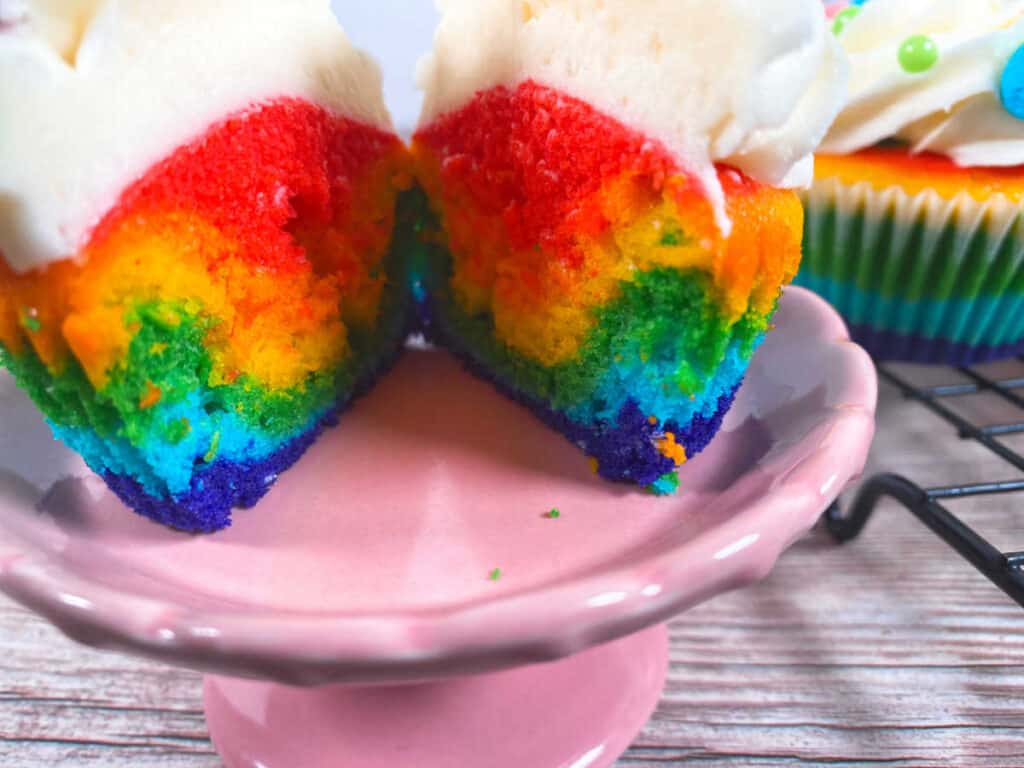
749 83
93 92
933 74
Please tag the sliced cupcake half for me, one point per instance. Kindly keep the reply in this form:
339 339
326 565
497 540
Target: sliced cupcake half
610 222
197 215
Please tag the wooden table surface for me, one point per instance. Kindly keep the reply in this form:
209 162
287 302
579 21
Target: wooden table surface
888 651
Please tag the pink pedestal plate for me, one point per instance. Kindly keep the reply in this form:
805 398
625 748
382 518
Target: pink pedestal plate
351 620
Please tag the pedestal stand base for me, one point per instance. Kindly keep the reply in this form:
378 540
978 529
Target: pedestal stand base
582 712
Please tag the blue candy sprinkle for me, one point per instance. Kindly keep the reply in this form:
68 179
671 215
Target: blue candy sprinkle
1011 84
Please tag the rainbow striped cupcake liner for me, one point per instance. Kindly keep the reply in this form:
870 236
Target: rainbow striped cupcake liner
918 278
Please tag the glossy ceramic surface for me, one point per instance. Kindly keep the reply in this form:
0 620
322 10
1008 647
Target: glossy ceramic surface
582 712
373 559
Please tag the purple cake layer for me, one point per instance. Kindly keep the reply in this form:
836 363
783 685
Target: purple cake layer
625 451
910 348
218 489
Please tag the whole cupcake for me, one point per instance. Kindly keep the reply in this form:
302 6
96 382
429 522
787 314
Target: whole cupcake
914 225
197 201
611 217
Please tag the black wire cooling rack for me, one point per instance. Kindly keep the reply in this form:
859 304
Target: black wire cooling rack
1005 569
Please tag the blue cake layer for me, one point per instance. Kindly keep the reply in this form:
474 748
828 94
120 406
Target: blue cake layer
218 488
223 485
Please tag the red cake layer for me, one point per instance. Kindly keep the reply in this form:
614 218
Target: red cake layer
252 183
572 147
560 151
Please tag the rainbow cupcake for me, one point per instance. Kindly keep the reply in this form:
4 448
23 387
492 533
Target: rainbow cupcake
610 226
914 226
196 230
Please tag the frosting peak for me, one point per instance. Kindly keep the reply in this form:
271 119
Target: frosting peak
927 72
59 23
93 92
749 83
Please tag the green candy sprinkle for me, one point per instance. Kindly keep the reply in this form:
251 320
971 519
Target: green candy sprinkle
554 514
495 575
918 54
843 18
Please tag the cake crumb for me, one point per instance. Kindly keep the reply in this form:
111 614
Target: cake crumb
151 397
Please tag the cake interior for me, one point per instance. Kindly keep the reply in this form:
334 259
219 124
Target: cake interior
234 298
569 260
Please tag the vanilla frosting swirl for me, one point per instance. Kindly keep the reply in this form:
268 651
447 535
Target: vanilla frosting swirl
954 107
749 83
93 92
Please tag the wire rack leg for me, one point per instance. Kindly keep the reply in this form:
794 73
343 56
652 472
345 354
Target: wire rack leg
847 527
1005 571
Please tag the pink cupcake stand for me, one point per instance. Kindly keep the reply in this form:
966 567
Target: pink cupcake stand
402 599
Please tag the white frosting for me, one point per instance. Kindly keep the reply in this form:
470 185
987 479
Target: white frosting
953 108
93 92
751 83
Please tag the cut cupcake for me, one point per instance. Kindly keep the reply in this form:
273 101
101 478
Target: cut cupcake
196 225
610 225
914 228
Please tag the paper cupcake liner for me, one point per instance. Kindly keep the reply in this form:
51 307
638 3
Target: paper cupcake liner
920 277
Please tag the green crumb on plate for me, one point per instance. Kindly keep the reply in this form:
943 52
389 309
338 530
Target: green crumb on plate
495 575
554 514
